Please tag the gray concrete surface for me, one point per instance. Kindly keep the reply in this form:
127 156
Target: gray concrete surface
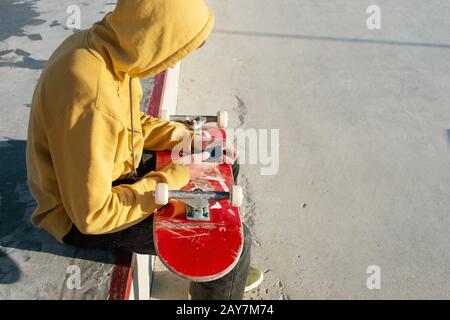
32 264
364 143
364 123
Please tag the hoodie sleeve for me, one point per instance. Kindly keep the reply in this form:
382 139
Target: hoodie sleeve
83 159
162 135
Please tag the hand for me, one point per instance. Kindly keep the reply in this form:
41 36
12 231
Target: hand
231 153
196 165
203 141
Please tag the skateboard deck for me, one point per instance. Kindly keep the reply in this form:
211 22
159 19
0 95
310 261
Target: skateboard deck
199 250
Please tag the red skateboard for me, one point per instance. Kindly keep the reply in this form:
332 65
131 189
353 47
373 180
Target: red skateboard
198 232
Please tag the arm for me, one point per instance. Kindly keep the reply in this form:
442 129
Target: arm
83 158
161 135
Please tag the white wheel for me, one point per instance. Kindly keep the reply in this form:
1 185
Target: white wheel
164 115
162 194
236 196
222 119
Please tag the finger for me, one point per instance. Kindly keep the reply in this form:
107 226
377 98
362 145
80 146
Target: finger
202 136
236 154
199 158
206 166
206 136
205 155
232 152
228 160
190 159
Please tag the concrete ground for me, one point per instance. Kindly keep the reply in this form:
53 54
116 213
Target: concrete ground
32 264
364 121
364 144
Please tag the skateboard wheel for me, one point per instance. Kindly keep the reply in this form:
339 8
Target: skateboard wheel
237 196
222 119
162 194
164 115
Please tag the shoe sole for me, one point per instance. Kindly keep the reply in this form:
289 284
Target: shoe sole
247 289
255 284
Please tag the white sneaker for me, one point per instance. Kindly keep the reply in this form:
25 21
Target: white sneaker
254 279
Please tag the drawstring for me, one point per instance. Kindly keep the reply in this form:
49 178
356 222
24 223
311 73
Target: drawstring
134 174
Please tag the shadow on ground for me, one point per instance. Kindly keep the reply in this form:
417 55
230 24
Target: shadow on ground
333 39
15 16
20 59
9 270
16 206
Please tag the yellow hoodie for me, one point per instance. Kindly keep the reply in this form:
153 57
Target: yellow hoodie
79 136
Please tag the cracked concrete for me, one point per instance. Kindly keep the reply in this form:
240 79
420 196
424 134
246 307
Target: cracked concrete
363 115
248 211
241 110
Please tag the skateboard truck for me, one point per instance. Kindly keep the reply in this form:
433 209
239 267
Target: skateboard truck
198 201
194 122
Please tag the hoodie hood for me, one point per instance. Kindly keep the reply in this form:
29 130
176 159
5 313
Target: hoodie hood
144 37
